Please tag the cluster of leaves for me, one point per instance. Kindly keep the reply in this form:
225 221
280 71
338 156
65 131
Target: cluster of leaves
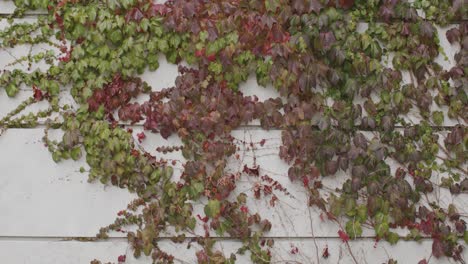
313 52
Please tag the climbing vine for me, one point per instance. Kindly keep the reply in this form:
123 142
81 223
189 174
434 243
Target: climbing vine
349 73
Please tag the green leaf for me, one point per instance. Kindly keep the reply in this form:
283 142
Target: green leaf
392 238
191 222
57 156
362 213
242 198
175 41
144 24
75 153
196 189
211 48
353 228
158 30
232 38
163 45
153 62
11 89
54 88
381 229
438 117
155 176
213 208
350 207
203 35
168 172
385 96
215 67
116 36
397 97
336 205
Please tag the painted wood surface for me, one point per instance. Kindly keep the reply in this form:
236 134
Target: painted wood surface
366 251
45 204
59 202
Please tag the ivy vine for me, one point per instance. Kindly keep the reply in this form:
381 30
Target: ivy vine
343 111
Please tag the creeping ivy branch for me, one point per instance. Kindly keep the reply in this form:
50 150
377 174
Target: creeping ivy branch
344 107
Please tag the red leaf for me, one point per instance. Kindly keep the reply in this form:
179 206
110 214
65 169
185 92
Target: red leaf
298 6
277 34
58 19
344 237
204 219
252 171
453 35
135 153
157 8
426 226
62 3
386 13
122 258
189 9
305 181
211 57
134 15
405 30
286 37
141 136
266 49
273 200
294 250
437 248
325 253
257 190
315 6
202 257
327 39
244 209
200 53
346 4
137 15
38 96
331 216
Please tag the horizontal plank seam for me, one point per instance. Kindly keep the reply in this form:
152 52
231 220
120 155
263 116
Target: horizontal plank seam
26 15
92 239
39 13
242 127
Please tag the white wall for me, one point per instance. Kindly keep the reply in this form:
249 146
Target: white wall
43 204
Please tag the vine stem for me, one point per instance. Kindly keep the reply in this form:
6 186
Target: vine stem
347 243
313 235
17 110
444 150
450 157
351 252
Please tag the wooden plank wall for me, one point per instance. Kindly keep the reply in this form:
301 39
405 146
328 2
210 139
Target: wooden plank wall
43 205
